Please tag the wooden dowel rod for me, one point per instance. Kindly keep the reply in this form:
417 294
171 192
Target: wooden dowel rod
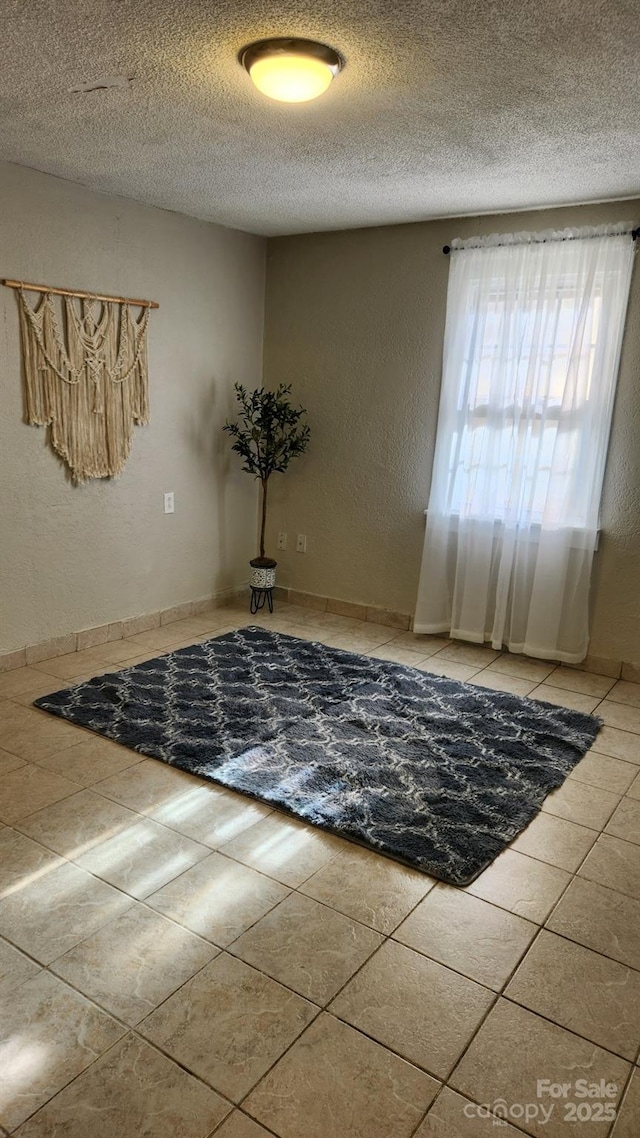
80 293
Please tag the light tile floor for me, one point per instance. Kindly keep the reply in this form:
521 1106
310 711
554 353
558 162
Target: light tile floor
176 960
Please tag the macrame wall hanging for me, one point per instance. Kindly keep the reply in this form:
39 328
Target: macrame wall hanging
86 374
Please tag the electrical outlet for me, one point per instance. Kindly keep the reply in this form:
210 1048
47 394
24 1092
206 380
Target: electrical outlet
169 503
301 543
282 541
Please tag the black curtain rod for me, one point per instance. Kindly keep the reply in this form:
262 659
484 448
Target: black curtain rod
635 234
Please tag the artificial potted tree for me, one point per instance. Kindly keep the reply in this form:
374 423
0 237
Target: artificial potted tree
267 435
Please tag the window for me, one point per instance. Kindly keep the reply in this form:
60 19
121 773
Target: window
532 344
534 420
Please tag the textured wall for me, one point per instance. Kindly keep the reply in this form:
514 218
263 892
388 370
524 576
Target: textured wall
355 321
72 557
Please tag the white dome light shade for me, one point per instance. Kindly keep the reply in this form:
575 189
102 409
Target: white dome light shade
291 78
291 70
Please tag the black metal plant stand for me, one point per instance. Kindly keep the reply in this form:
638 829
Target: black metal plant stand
258 598
263 579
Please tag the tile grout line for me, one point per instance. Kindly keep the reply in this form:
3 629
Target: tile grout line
296 889
128 1031
239 1110
144 900
134 1029
500 994
128 1028
325 1008
280 813
321 1009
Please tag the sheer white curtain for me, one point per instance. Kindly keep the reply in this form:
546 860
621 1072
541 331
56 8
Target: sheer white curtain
532 346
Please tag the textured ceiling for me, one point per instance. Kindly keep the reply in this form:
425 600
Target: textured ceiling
444 107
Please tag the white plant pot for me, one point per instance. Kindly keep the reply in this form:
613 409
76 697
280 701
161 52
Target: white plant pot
263 573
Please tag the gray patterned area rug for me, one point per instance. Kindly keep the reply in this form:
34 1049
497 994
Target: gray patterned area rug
437 773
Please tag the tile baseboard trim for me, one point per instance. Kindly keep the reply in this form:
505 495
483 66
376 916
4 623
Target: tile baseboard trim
600 665
116 630
372 613
133 626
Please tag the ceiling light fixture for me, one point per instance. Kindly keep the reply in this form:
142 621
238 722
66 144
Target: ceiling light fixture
291 70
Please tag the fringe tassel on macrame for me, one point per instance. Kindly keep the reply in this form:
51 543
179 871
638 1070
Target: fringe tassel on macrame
91 390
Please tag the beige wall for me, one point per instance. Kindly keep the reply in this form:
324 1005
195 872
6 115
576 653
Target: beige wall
355 321
73 557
